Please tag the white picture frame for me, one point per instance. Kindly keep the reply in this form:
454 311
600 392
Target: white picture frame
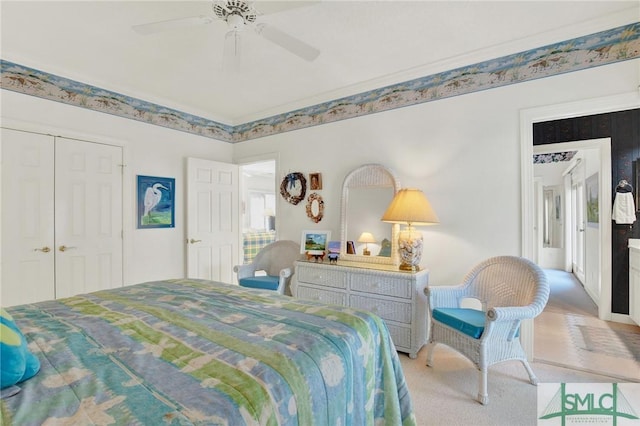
314 242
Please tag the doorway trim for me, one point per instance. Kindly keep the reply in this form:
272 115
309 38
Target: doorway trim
569 110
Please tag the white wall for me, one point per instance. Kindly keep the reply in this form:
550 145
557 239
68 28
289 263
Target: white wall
463 152
150 254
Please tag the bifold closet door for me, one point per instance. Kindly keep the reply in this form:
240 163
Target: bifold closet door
61 217
28 252
88 216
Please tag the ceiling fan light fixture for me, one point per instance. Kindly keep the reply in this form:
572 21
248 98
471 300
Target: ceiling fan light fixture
235 22
241 8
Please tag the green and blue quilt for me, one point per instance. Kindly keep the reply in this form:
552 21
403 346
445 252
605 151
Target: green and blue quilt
185 352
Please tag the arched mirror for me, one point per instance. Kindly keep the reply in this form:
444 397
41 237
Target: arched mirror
366 194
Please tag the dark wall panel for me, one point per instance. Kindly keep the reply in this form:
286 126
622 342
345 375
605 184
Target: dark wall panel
623 127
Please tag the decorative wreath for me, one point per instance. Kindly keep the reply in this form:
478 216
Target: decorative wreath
289 182
317 217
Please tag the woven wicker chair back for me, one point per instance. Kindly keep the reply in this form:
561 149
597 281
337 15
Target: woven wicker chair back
276 256
505 281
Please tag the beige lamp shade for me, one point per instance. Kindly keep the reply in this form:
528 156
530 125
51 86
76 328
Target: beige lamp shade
366 237
412 207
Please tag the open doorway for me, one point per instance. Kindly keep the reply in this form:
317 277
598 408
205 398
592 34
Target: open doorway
583 108
257 207
571 211
528 118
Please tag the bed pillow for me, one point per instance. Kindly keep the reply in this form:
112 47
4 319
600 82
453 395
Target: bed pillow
18 363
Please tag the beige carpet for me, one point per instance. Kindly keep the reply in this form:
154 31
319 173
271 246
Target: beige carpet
445 393
568 333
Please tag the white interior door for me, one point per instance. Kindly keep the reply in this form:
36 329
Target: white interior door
28 250
212 219
578 267
537 219
88 216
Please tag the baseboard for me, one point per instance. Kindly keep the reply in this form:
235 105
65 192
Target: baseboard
622 318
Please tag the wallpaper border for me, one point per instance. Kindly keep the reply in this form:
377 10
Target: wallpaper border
602 48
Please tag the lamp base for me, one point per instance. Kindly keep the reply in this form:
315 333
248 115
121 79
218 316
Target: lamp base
409 267
410 249
366 252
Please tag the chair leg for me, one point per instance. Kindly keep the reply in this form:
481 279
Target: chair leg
532 377
430 347
483 396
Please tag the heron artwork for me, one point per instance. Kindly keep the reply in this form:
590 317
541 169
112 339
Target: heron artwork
156 202
152 197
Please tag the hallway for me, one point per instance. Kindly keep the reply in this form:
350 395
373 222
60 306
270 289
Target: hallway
568 333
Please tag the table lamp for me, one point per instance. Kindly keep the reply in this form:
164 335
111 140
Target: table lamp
411 207
366 238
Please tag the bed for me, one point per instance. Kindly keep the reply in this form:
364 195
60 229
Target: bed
183 352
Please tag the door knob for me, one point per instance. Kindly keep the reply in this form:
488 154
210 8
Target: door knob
65 248
192 241
44 249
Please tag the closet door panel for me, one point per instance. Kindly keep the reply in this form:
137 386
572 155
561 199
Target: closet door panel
88 217
28 251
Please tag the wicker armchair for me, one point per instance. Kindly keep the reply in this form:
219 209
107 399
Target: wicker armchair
509 289
276 260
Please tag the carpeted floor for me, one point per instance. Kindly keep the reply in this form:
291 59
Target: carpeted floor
444 395
568 333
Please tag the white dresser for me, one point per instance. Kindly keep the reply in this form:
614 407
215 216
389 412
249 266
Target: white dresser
395 296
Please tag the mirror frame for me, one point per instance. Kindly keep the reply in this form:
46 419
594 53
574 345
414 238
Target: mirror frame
368 176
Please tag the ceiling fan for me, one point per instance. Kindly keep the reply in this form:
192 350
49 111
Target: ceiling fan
238 15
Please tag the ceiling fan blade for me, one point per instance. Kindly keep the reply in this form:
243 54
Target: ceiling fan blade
231 54
172 24
288 42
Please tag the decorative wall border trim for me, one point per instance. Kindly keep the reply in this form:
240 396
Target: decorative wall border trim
554 157
602 48
29 81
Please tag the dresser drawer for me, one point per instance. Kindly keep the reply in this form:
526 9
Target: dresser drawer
325 296
384 308
325 277
401 336
382 284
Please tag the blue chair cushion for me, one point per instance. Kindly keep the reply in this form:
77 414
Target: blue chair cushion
467 321
266 282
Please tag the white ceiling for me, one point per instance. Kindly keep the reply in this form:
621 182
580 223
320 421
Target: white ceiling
364 45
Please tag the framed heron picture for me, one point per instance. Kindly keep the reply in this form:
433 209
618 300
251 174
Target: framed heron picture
156 202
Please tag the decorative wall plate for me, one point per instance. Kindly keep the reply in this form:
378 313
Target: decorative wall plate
293 187
315 207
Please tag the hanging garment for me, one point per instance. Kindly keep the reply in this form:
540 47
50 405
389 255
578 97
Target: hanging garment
624 210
